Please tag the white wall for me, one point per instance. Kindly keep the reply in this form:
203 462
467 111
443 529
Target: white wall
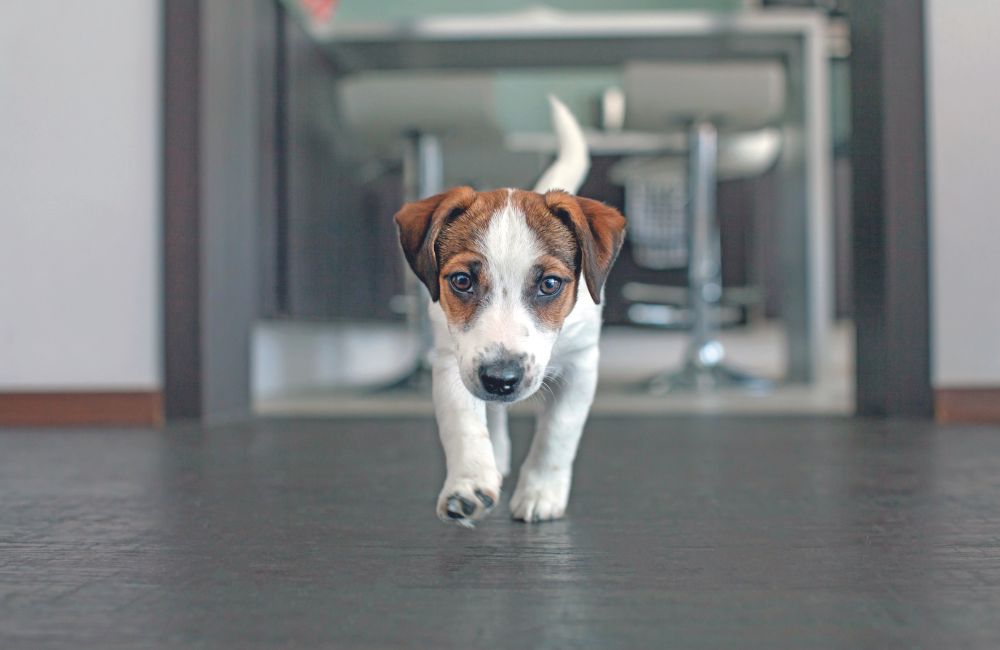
79 208
963 57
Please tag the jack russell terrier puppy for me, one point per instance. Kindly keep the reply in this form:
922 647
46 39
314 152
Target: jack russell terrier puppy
516 280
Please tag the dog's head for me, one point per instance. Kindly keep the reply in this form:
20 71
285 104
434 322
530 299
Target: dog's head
506 266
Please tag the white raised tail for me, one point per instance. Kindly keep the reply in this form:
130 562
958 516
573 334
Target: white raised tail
572 163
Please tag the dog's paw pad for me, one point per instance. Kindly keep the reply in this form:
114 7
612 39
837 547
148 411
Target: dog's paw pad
466 506
486 499
459 507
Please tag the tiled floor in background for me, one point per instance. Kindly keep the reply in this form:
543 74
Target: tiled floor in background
628 357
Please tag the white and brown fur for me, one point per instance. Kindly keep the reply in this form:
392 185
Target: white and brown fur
500 337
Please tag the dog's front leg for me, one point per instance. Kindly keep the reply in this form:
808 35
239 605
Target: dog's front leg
496 420
546 475
472 486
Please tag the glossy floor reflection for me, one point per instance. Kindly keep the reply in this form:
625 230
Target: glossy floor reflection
691 532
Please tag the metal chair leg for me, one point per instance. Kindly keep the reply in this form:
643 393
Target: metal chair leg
704 364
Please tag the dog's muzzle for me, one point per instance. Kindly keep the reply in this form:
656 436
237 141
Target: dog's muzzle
502 377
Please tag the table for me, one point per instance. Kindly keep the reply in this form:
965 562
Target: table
546 38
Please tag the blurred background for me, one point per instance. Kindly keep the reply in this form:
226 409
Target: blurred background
198 198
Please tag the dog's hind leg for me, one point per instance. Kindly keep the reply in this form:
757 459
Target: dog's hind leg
496 421
547 473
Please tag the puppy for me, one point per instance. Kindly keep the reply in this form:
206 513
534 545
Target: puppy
516 280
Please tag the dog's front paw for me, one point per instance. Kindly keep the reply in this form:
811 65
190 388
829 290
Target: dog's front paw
540 496
467 500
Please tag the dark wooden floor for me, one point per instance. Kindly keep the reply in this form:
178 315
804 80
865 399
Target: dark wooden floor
693 533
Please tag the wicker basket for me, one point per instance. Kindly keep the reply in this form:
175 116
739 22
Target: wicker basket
656 206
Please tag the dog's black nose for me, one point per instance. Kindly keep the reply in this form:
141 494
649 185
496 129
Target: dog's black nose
501 377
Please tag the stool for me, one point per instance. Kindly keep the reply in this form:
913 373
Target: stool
420 111
737 97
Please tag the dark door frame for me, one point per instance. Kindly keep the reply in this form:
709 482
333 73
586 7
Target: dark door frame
215 191
224 60
891 243
182 368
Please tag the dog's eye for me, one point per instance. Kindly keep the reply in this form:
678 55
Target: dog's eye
461 282
550 286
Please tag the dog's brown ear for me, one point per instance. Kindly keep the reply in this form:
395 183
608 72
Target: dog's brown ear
600 232
420 224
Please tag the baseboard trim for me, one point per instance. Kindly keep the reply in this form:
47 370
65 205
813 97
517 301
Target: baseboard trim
967 405
126 408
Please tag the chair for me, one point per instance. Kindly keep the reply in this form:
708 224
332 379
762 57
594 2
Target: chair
419 112
741 100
